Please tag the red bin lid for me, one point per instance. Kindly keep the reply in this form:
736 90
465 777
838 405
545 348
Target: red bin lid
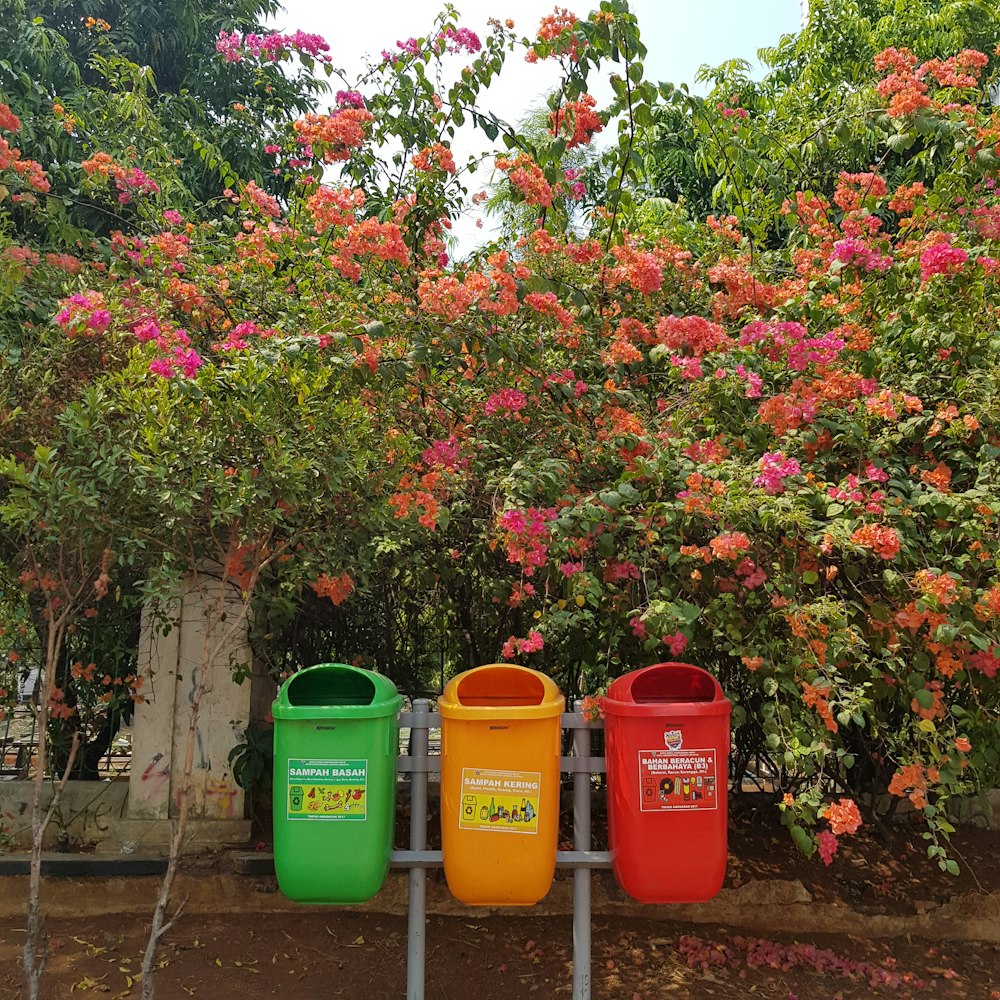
675 688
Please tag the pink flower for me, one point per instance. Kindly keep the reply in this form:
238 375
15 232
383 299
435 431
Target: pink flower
349 99
638 627
527 534
99 320
261 200
233 47
753 380
172 216
775 468
941 258
676 643
411 46
459 39
161 367
874 474
569 569
753 576
189 361
987 662
443 453
857 253
533 643
690 367
616 571
506 401
827 843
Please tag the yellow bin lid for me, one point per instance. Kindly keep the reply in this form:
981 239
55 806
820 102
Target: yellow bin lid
501 691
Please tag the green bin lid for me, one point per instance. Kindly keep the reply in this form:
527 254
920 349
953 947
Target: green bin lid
336 691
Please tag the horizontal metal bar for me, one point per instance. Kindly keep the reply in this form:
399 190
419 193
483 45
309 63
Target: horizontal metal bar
574 765
432 720
262 863
415 859
583 859
564 859
432 765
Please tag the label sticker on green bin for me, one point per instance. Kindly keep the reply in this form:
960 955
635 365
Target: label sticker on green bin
327 789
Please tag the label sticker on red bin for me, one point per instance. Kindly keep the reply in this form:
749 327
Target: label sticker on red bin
677 779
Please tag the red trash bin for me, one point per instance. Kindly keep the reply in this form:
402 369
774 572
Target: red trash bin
667 750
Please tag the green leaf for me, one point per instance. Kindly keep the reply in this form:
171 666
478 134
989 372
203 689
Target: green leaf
802 840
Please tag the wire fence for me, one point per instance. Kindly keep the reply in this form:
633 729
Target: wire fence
105 750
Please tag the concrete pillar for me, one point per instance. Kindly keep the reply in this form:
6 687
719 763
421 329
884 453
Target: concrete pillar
170 657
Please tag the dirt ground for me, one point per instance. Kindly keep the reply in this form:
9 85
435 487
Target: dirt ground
333 953
323 955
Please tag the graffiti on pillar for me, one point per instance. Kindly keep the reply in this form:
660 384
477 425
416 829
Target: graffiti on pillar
220 797
155 777
203 762
85 816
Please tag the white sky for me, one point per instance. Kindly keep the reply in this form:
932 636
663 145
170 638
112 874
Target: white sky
681 35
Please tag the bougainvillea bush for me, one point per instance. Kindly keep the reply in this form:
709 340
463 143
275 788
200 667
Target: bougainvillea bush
585 451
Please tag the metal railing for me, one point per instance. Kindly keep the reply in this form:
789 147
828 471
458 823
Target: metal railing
419 764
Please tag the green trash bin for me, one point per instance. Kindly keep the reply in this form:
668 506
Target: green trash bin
336 739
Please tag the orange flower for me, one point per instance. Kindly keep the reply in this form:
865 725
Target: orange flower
334 136
937 707
528 178
939 477
817 697
577 120
337 588
729 545
843 816
429 155
910 782
942 587
962 744
881 539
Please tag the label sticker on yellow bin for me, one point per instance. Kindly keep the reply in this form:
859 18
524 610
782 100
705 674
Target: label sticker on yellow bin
500 801
327 789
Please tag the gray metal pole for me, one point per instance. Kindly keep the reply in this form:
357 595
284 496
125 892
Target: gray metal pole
417 929
581 876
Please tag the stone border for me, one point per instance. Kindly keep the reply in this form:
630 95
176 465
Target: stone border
758 906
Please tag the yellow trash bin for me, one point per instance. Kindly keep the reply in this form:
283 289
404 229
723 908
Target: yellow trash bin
500 736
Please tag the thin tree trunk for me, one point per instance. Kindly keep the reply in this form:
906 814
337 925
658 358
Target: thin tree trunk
34 953
161 924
